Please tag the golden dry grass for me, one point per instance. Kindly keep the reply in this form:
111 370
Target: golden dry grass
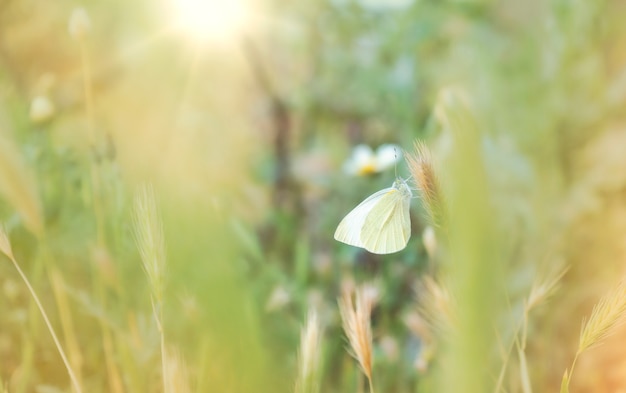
309 356
421 167
606 315
356 318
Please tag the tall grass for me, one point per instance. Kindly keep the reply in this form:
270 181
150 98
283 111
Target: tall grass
5 248
151 243
254 140
606 315
310 356
474 273
355 317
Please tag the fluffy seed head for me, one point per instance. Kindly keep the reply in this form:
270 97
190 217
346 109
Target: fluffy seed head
150 238
79 24
421 166
309 356
356 325
608 313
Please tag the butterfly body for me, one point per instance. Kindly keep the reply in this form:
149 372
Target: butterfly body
380 224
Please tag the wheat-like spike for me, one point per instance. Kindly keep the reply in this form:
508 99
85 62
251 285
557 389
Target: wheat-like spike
436 305
150 239
606 315
544 288
178 378
151 242
453 111
5 247
309 356
421 167
356 324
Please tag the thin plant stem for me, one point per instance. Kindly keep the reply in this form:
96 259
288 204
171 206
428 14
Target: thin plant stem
371 385
97 205
158 315
65 314
507 354
522 327
93 141
67 323
73 378
571 372
115 380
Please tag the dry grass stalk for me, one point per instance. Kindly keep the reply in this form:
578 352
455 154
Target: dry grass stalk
454 114
151 243
540 291
544 288
178 373
5 247
608 313
436 305
523 370
421 166
309 357
18 187
356 324
67 322
150 238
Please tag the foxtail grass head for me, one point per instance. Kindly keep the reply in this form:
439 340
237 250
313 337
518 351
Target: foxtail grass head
544 288
150 239
357 326
421 167
608 313
79 24
309 356
437 306
178 372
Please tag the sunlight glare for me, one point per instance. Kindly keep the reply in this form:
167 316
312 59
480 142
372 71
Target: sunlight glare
205 20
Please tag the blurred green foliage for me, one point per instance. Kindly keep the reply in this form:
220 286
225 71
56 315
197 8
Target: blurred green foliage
244 139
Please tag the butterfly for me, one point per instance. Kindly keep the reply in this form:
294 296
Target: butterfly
381 224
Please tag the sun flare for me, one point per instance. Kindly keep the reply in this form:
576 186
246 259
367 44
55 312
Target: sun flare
207 20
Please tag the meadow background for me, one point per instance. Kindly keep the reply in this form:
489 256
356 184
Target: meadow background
172 173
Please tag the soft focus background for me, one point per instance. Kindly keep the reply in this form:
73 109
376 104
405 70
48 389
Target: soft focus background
247 123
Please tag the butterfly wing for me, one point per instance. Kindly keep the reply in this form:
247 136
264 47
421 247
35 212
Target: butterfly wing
387 227
349 229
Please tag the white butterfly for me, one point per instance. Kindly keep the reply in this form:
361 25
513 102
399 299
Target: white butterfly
381 224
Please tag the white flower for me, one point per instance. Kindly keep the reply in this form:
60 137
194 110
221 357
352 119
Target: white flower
364 161
41 109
